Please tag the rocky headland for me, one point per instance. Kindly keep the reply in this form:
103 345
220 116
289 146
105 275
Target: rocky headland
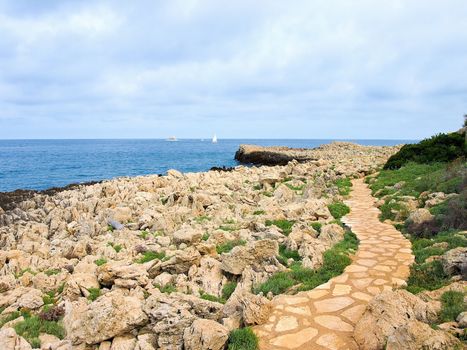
167 262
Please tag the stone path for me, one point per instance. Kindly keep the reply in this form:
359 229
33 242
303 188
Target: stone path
324 318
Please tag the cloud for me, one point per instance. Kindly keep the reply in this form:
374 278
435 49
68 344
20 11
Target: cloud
326 69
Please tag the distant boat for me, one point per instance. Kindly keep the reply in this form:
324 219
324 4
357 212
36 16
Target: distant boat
214 139
172 139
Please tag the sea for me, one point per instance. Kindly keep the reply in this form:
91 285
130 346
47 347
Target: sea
42 164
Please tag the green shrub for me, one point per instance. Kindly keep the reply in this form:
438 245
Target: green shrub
150 255
100 261
284 225
229 245
10 317
426 276
452 305
211 297
33 326
94 293
335 260
295 188
438 148
242 339
228 289
344 186
285 254
317 226
205 236
338 209
144 234
51 272
202 218
258 212
49 298
168 288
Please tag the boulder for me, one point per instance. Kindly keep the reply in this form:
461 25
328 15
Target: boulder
123 342
255 309
416 335
181 261
420 216
78 285
462 319
22 297
253 254
331 234
386 312
9 340
121 271
455 261
205 335
111 315
187 235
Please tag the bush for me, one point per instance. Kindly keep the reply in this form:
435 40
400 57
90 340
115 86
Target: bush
317 226
211 297
33 326
344 186
100 261
427 276
168 288
242 339
284 225
439 148
94 293
285 254
335 260
229 245
338 210
228 289
150 255
452 304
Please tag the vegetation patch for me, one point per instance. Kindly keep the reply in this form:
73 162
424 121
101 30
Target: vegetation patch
344 186
100 261
438 148
258 212
168 288
202 218
335 260
211 297
51 272
452 304
228 289
33 326
427 276
94 293
286 254
243 339
150 255
316 226
229 245
338 210
284 225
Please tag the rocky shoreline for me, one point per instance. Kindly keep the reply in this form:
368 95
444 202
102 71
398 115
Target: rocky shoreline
167 262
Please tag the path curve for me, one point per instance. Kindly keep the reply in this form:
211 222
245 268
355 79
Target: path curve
324 318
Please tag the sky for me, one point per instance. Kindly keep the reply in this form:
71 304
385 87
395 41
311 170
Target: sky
387 69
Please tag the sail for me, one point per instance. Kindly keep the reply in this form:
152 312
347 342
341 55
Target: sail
214 139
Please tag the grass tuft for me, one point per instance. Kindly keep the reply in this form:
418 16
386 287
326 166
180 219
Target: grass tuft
242 339
229 245
149 256
284 225
338 210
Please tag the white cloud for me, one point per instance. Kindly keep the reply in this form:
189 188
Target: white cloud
317 63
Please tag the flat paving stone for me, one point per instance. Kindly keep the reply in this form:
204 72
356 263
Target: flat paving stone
324 318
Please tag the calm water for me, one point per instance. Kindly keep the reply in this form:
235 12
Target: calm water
41 164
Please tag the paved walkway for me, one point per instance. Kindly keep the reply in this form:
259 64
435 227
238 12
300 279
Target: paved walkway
324 318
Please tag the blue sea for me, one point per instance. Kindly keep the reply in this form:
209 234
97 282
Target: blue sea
41 164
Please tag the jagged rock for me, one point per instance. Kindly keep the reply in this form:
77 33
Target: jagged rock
163 279
22 297
254 254
123 342
181 261
331 234
7 283
255 309
388 311
119 272
420 216
9 340
462 319
187 235
78 285
120 214
205 335
110 315
208 276
146 342
416 335
455 261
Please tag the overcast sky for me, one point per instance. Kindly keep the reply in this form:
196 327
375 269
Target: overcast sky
243 69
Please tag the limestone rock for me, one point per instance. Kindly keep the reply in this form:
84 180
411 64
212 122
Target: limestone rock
111 315
462 319
205 335
420 216
114 271
386 312
416 335
255 309
240 257
187 235
455 261
123 342
331 234
9 340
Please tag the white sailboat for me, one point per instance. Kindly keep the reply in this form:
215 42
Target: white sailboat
172 139
214 139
